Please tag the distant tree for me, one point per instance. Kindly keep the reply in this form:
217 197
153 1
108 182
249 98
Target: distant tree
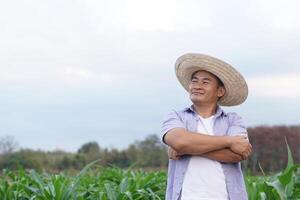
90 147
25 158
79 161
132 154
65 163
115 157
151 152
90 151
8 144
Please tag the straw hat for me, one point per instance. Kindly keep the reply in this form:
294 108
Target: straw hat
235 85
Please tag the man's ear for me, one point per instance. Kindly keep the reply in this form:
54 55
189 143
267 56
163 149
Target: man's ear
221 91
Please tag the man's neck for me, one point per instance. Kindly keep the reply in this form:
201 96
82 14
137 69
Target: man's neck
205 111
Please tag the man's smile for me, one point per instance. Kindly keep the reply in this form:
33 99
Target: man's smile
198 93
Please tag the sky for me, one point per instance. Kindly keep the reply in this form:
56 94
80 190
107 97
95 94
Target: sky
78 71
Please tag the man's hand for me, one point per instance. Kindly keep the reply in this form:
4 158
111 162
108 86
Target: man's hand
240 145
173 154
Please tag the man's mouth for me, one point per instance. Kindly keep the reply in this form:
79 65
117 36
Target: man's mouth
197 93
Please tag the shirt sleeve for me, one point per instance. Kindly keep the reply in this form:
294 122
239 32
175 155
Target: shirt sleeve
172 120
236 125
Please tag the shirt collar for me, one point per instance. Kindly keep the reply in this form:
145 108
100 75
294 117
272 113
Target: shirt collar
219 112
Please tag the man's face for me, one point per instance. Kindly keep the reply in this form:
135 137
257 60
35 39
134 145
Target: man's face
204 88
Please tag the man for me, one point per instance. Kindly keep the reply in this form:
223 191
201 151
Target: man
206 144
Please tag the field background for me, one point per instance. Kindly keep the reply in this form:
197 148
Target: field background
139 172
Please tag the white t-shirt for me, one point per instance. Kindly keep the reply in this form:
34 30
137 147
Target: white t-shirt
204 178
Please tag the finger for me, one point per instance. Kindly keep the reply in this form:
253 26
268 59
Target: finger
250 150
248 153
172 154
244 155
169 153
238 158
175 155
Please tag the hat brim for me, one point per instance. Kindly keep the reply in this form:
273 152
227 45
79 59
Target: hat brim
234 83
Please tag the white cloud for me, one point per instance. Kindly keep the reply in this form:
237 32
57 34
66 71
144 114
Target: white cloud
279 14
73 75
282 86
145 15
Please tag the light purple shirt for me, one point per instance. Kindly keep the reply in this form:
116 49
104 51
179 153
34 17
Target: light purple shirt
225 124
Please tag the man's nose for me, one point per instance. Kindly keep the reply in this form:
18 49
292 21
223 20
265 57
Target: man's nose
198 86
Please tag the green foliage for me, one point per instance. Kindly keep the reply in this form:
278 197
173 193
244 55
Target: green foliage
107 184
146 153
281 186
267 152
113 183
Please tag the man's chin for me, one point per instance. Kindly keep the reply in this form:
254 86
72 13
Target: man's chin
197 100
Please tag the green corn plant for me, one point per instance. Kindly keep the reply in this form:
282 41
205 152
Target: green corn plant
113 183
281 186
41 187
110 183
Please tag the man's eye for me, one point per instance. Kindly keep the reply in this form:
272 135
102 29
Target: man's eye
194 81
205 82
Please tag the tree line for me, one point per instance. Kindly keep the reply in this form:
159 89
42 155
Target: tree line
268 143
149 152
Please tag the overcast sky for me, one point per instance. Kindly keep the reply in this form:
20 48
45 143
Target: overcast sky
77 71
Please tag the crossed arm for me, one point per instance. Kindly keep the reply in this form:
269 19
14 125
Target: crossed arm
222 155
227 149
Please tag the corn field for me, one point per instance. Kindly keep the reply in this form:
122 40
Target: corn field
111 184
119 184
